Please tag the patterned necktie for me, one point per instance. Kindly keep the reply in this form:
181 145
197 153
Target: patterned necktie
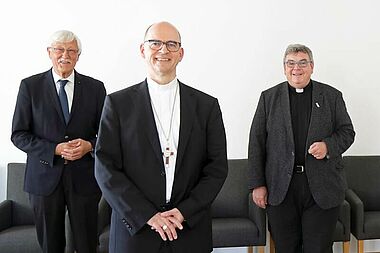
63 99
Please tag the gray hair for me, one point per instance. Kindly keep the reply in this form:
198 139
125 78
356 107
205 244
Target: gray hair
65 36
295 48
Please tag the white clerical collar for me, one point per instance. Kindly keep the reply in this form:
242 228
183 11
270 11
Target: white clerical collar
162 87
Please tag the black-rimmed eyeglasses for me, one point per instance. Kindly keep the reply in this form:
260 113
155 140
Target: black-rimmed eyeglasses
171 46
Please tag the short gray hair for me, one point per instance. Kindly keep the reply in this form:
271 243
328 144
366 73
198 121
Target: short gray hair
295 48
65 36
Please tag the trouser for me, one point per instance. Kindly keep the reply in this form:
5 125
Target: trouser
298 224
49 215
165 248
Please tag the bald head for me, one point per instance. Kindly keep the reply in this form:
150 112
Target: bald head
161 27
162 51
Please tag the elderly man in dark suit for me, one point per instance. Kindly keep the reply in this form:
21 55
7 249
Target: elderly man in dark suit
300 130
161 156
55 122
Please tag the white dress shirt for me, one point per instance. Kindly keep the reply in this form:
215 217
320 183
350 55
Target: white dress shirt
69 87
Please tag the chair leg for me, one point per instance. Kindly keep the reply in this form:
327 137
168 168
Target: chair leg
360 246
271 245
261 249
346 247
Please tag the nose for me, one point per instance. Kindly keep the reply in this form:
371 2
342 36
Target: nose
164 49
66 53
296 66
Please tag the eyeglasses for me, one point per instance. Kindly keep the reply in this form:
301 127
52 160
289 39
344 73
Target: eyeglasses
171 46
301 63
59 50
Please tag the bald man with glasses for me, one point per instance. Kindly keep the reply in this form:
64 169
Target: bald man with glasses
161 156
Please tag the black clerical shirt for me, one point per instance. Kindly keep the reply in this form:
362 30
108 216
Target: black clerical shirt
300 110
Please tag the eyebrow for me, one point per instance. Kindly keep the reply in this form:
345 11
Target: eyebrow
299 60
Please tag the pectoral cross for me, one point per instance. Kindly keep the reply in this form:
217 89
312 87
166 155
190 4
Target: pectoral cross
167 153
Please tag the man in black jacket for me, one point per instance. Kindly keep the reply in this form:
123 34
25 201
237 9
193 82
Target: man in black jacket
300 130
55 123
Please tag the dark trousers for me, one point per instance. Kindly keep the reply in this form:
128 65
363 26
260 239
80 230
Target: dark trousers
49 216
165 248
298 224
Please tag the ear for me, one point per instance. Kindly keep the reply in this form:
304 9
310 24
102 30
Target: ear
312 67
142 50
49 52
181 53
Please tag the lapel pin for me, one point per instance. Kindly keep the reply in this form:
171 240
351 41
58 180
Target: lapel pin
317 104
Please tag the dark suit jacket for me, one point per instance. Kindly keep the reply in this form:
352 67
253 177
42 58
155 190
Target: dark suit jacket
271 146
130 171
38 126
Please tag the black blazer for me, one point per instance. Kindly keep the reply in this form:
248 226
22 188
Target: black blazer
271 145
38 126
130 171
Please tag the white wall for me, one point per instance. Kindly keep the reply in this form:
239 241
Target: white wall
233 50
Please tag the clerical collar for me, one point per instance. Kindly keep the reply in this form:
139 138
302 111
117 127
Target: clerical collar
162 87
300 91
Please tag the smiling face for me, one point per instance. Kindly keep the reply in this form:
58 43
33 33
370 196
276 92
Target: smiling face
64 56
161 63
298 77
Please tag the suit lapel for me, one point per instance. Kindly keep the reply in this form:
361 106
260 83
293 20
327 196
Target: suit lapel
316 110
52 94
146 118
285 105
188 106
145 113
78 93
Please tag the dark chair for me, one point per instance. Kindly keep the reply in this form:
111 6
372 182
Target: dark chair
236 222
17 230
343 227
104 219
363 177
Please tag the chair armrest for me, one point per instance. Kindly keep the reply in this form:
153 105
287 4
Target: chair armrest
357 212
104 215
5 214
257 215
345 216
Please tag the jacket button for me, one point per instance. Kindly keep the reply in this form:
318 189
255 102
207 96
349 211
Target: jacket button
66 136
163 173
